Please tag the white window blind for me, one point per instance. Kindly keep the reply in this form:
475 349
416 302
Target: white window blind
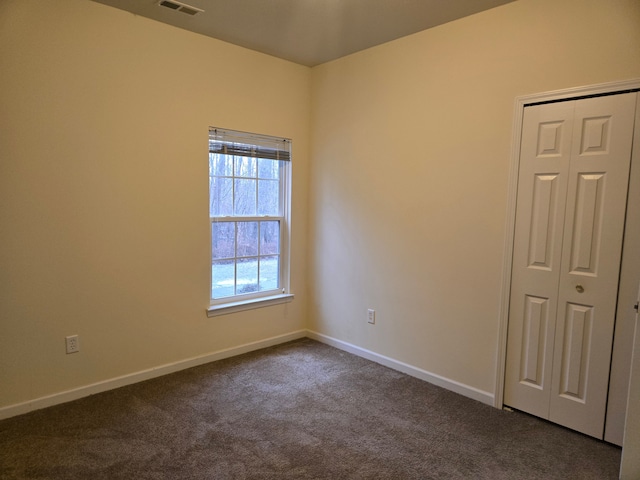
229 142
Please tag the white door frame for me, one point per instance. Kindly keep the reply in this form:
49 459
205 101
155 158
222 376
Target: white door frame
520 103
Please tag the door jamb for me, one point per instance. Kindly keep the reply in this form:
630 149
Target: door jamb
520 103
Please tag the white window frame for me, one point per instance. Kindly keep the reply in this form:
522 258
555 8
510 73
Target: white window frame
247 301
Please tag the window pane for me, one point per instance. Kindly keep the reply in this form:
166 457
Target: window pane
247 239
245 167
269 273
268 197
268 168
269 238
247 275
222 278
245 197
220 165
220 196
223 240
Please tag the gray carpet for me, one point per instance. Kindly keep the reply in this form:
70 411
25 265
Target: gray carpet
302 410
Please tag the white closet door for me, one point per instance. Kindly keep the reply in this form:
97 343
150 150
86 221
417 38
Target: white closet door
545 155
591 254
572 188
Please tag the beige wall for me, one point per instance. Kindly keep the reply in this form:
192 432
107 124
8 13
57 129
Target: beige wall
104 225
411 156
103 190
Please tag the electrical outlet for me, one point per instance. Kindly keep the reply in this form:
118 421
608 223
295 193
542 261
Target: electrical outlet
73 343
371 316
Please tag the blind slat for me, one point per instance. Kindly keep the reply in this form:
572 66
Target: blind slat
230 142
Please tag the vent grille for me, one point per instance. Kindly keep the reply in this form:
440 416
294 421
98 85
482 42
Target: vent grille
180 7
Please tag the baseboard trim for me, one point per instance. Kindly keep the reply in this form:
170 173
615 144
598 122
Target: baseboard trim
110 384
457 387
103 386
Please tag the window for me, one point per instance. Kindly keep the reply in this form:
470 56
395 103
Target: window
248 208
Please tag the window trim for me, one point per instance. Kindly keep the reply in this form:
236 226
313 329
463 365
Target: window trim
283 294
216 310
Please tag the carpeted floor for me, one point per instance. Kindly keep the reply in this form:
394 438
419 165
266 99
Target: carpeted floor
302 410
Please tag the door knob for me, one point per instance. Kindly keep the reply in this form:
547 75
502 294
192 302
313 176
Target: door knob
579 288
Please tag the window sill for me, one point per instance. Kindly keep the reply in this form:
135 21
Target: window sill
226 308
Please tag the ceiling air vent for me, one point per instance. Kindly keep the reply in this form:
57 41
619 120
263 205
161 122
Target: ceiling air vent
180 7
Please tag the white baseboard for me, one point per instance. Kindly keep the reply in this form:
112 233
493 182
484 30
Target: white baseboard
103 386
457 387
110 384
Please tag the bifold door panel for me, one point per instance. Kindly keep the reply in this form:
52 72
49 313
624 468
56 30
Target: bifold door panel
570 214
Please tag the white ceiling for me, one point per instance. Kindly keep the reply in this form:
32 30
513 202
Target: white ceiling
308 32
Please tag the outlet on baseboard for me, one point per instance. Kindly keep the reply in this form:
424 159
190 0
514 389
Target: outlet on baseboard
371 316
73 343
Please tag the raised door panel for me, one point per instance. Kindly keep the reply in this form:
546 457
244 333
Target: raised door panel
578 328
535 328
543 225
